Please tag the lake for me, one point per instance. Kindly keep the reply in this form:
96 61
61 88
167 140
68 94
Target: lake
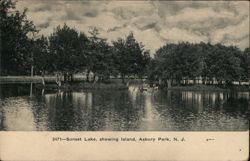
122 110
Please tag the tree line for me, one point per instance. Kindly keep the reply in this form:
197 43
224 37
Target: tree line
67 50
211 64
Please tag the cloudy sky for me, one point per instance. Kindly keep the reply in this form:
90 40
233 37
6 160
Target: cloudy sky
154 23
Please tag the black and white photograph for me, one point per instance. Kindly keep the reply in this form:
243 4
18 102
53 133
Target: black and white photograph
82 65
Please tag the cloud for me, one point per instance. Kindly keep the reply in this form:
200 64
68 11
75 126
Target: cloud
150 39
146 22
154 23
197 15
125 10
176 35
231 35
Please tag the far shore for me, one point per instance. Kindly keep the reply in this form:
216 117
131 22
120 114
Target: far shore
114 83
85 86
26 79
210 88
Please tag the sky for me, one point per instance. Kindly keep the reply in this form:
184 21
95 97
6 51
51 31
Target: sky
154 23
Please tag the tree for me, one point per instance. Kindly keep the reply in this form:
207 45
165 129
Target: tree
99 56
223 64
15 42
153 71
164 63
211 62
68 49
178 62
205 49
130 57
245 64
81 61
143 63
42 58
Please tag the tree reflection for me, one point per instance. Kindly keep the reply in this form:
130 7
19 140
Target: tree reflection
124 110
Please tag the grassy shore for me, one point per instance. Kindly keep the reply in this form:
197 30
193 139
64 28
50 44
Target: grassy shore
209 88
79 86
26 79
50 83
52 79
114 83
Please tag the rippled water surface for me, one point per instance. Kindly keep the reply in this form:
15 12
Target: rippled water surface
124 110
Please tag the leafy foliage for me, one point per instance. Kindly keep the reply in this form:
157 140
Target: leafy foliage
15 42
66 47
67 50
130 57
211 62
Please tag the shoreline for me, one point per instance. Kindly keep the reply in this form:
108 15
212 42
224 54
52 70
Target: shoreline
112 84
242 88
119 86
82 86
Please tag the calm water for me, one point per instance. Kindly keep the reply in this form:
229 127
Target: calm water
126 110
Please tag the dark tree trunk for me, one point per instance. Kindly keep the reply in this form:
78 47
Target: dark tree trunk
66 77
195 81
178 81
88 71
123 78
203 80
94 78
220 82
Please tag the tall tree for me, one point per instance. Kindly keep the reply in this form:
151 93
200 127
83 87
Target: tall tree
212 62
130 57
67 49
246 63
178 62
15 29
99 56
223 65
42 59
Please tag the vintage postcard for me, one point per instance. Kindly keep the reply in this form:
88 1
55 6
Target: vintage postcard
124 80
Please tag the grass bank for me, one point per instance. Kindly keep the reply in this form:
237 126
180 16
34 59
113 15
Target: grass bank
209 88
26 79
52 79
86 86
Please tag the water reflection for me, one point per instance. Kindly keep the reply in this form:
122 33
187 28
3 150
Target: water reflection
21 118
126 110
